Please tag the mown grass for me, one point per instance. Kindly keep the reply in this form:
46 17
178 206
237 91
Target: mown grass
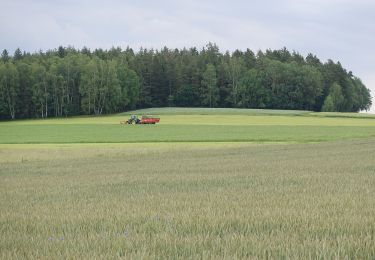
217 125
188 200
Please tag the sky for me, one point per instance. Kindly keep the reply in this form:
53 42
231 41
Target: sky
340 30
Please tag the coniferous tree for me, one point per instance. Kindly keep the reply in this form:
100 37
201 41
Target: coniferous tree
17 55
5 56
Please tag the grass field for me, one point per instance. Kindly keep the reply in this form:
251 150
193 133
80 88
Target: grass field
279 184
202 125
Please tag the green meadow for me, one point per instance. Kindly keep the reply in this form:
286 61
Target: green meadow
202 184
201 125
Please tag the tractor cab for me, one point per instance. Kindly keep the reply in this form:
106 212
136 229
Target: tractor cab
133 120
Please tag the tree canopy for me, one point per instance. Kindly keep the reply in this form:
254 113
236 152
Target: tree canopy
68 81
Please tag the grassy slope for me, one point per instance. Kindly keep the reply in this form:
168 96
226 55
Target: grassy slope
200 125
188 200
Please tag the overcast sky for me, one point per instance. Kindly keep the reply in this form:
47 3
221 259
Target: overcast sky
340 30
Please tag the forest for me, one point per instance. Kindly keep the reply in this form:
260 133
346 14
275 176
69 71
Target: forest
67 81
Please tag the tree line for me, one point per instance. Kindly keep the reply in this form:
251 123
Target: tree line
69 81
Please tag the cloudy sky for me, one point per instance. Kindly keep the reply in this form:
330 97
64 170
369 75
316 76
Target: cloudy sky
341 30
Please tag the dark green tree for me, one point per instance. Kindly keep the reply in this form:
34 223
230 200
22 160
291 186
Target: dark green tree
210 93
186 96
17 55
252 92
5 56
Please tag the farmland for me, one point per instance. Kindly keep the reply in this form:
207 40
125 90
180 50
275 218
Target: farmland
201 125
222 183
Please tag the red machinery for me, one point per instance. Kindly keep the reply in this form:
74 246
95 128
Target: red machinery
149 120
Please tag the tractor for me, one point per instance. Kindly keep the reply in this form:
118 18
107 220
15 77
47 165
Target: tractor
133 120
144 120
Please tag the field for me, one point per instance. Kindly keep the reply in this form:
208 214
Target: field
201 125
221 183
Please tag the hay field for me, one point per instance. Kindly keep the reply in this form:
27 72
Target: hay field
202 125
